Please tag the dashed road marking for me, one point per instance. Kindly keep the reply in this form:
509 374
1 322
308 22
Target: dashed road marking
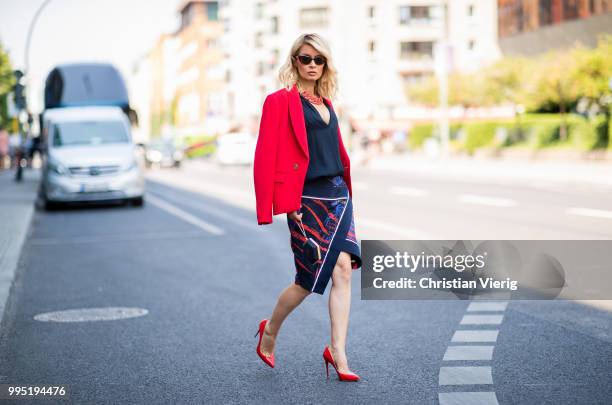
185 216
465 375
589 212
487 306
458 351
486 200
468 398
468 353
405 232
408 191
481 319
475 336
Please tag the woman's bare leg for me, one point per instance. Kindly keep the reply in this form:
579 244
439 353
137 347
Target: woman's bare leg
288 300
339 308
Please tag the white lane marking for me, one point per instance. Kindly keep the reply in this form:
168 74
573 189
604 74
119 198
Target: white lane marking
475 336
487 306
481 319
589 212
468 353
408 191
91 314
406 232
467 398
185 216
486 200
221 213
465 375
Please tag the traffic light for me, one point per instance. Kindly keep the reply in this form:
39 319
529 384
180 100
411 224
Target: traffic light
19 91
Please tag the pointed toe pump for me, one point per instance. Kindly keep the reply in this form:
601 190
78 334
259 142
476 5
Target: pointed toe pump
269 360
327 357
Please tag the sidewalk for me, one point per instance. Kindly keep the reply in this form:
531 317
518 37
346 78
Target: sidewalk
595 174
16 210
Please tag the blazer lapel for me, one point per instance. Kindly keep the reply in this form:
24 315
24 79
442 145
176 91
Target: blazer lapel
297 119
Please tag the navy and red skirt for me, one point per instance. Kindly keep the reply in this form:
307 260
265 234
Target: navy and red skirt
327 217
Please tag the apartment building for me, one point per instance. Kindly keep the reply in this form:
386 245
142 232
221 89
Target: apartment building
531 27
379 47
185 75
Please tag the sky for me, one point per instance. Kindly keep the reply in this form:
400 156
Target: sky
116 31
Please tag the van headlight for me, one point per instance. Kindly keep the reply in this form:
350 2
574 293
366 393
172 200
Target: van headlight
58 168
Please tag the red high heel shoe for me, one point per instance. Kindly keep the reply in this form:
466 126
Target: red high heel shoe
327 356
269 360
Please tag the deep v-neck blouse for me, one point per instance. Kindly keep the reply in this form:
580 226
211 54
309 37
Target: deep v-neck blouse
323 145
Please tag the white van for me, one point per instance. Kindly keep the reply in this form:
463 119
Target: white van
90 156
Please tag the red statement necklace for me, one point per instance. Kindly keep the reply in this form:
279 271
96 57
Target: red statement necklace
312 98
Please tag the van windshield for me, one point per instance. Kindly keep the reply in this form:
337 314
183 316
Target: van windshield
89 133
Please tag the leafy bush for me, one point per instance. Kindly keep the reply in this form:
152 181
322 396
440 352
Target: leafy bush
419 134
479 134
590 134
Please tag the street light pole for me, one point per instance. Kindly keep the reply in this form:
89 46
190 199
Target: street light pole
443 82
26 73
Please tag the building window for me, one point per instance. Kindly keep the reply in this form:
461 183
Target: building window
258 39
470 10
212 11
259 11
545 16
274 28
416 50
314 17
414 15
571 9
212 43
471 44
261 68
371 12
371 46
404 15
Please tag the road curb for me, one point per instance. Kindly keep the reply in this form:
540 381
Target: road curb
17 206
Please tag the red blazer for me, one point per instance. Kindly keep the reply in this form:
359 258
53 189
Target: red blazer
281 156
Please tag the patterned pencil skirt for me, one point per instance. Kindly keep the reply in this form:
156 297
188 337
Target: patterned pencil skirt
327 217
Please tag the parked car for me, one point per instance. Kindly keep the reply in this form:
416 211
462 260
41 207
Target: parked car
89 156
163 153
235 148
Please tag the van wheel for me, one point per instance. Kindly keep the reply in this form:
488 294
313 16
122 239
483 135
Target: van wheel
137 201
50 205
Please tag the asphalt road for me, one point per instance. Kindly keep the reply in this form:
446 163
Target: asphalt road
194 258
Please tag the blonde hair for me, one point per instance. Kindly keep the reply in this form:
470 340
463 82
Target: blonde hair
288 74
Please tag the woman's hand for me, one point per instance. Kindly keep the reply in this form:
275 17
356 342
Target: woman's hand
295 216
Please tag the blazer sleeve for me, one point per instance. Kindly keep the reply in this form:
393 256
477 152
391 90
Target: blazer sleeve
265 159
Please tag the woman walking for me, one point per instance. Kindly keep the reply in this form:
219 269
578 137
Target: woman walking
301 168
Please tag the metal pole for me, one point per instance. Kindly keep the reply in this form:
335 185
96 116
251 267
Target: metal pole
443 81
26 71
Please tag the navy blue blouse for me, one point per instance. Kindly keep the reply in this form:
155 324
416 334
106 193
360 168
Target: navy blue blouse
323 145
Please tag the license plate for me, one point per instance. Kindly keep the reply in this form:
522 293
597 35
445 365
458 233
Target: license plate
89 188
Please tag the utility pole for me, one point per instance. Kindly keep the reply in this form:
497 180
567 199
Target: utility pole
442 73
20 90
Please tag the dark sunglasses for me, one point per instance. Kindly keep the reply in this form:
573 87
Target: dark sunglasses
306 59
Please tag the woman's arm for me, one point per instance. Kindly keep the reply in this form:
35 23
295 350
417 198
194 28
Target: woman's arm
264 161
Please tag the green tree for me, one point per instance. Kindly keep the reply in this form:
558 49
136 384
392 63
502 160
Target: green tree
6 84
